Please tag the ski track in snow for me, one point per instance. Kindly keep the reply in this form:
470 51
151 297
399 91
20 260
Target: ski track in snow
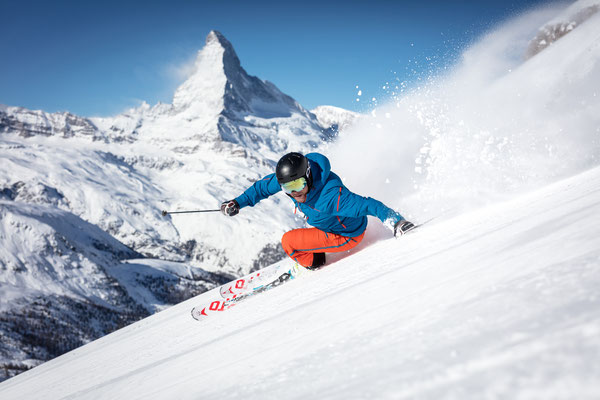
499 303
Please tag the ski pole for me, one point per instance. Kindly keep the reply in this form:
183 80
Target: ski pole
164 212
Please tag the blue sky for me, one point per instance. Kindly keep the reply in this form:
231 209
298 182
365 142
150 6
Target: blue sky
99 58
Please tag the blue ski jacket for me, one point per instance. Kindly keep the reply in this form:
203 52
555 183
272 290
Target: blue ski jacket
329 205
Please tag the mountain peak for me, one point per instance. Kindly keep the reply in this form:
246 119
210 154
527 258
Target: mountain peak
230 58
203 90
220 86
216 36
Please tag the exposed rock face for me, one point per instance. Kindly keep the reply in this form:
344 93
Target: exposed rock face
27 123
552 32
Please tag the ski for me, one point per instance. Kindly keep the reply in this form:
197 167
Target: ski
246 288
416 226
248 283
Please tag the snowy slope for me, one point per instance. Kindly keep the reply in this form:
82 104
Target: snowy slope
49 236
335 118
498 303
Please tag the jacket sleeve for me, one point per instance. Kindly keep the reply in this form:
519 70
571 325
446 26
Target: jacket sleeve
343 203
260 190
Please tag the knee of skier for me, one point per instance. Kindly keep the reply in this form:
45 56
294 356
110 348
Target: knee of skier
285 242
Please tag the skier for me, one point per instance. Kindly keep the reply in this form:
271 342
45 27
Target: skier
339 217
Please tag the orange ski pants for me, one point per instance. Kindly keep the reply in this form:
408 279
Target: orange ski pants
300 244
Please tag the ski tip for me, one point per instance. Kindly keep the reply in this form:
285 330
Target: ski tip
198 314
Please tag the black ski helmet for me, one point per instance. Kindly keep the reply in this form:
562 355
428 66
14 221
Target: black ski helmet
293 166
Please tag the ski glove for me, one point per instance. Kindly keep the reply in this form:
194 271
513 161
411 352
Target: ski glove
230 208
402 227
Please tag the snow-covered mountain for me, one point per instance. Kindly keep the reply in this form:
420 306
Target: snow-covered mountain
335 119
29 123
66 276
560 26
223 130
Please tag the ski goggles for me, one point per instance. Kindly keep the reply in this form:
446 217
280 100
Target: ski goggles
294 186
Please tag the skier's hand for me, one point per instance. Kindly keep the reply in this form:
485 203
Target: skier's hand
230 208
403 226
